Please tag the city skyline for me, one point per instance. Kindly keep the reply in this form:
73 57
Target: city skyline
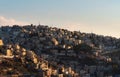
100 17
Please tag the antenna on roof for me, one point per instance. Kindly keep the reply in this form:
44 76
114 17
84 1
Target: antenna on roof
39 23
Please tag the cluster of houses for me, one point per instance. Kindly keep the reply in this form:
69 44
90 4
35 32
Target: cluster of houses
51 51
31 61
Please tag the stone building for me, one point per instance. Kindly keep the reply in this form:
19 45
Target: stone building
1 42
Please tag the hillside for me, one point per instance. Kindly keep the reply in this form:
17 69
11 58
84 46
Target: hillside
40 49
41 33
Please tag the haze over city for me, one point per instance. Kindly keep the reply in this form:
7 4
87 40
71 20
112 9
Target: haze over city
100 17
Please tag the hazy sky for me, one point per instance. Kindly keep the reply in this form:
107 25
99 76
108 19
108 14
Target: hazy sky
97 16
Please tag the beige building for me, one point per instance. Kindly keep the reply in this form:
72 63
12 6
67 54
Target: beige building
9 52
55 41
1 42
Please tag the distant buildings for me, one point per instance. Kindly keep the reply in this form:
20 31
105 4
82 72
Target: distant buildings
49 50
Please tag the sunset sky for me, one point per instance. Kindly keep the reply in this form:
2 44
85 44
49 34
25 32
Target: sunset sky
97 16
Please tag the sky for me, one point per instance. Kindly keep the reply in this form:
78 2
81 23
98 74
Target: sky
96 16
